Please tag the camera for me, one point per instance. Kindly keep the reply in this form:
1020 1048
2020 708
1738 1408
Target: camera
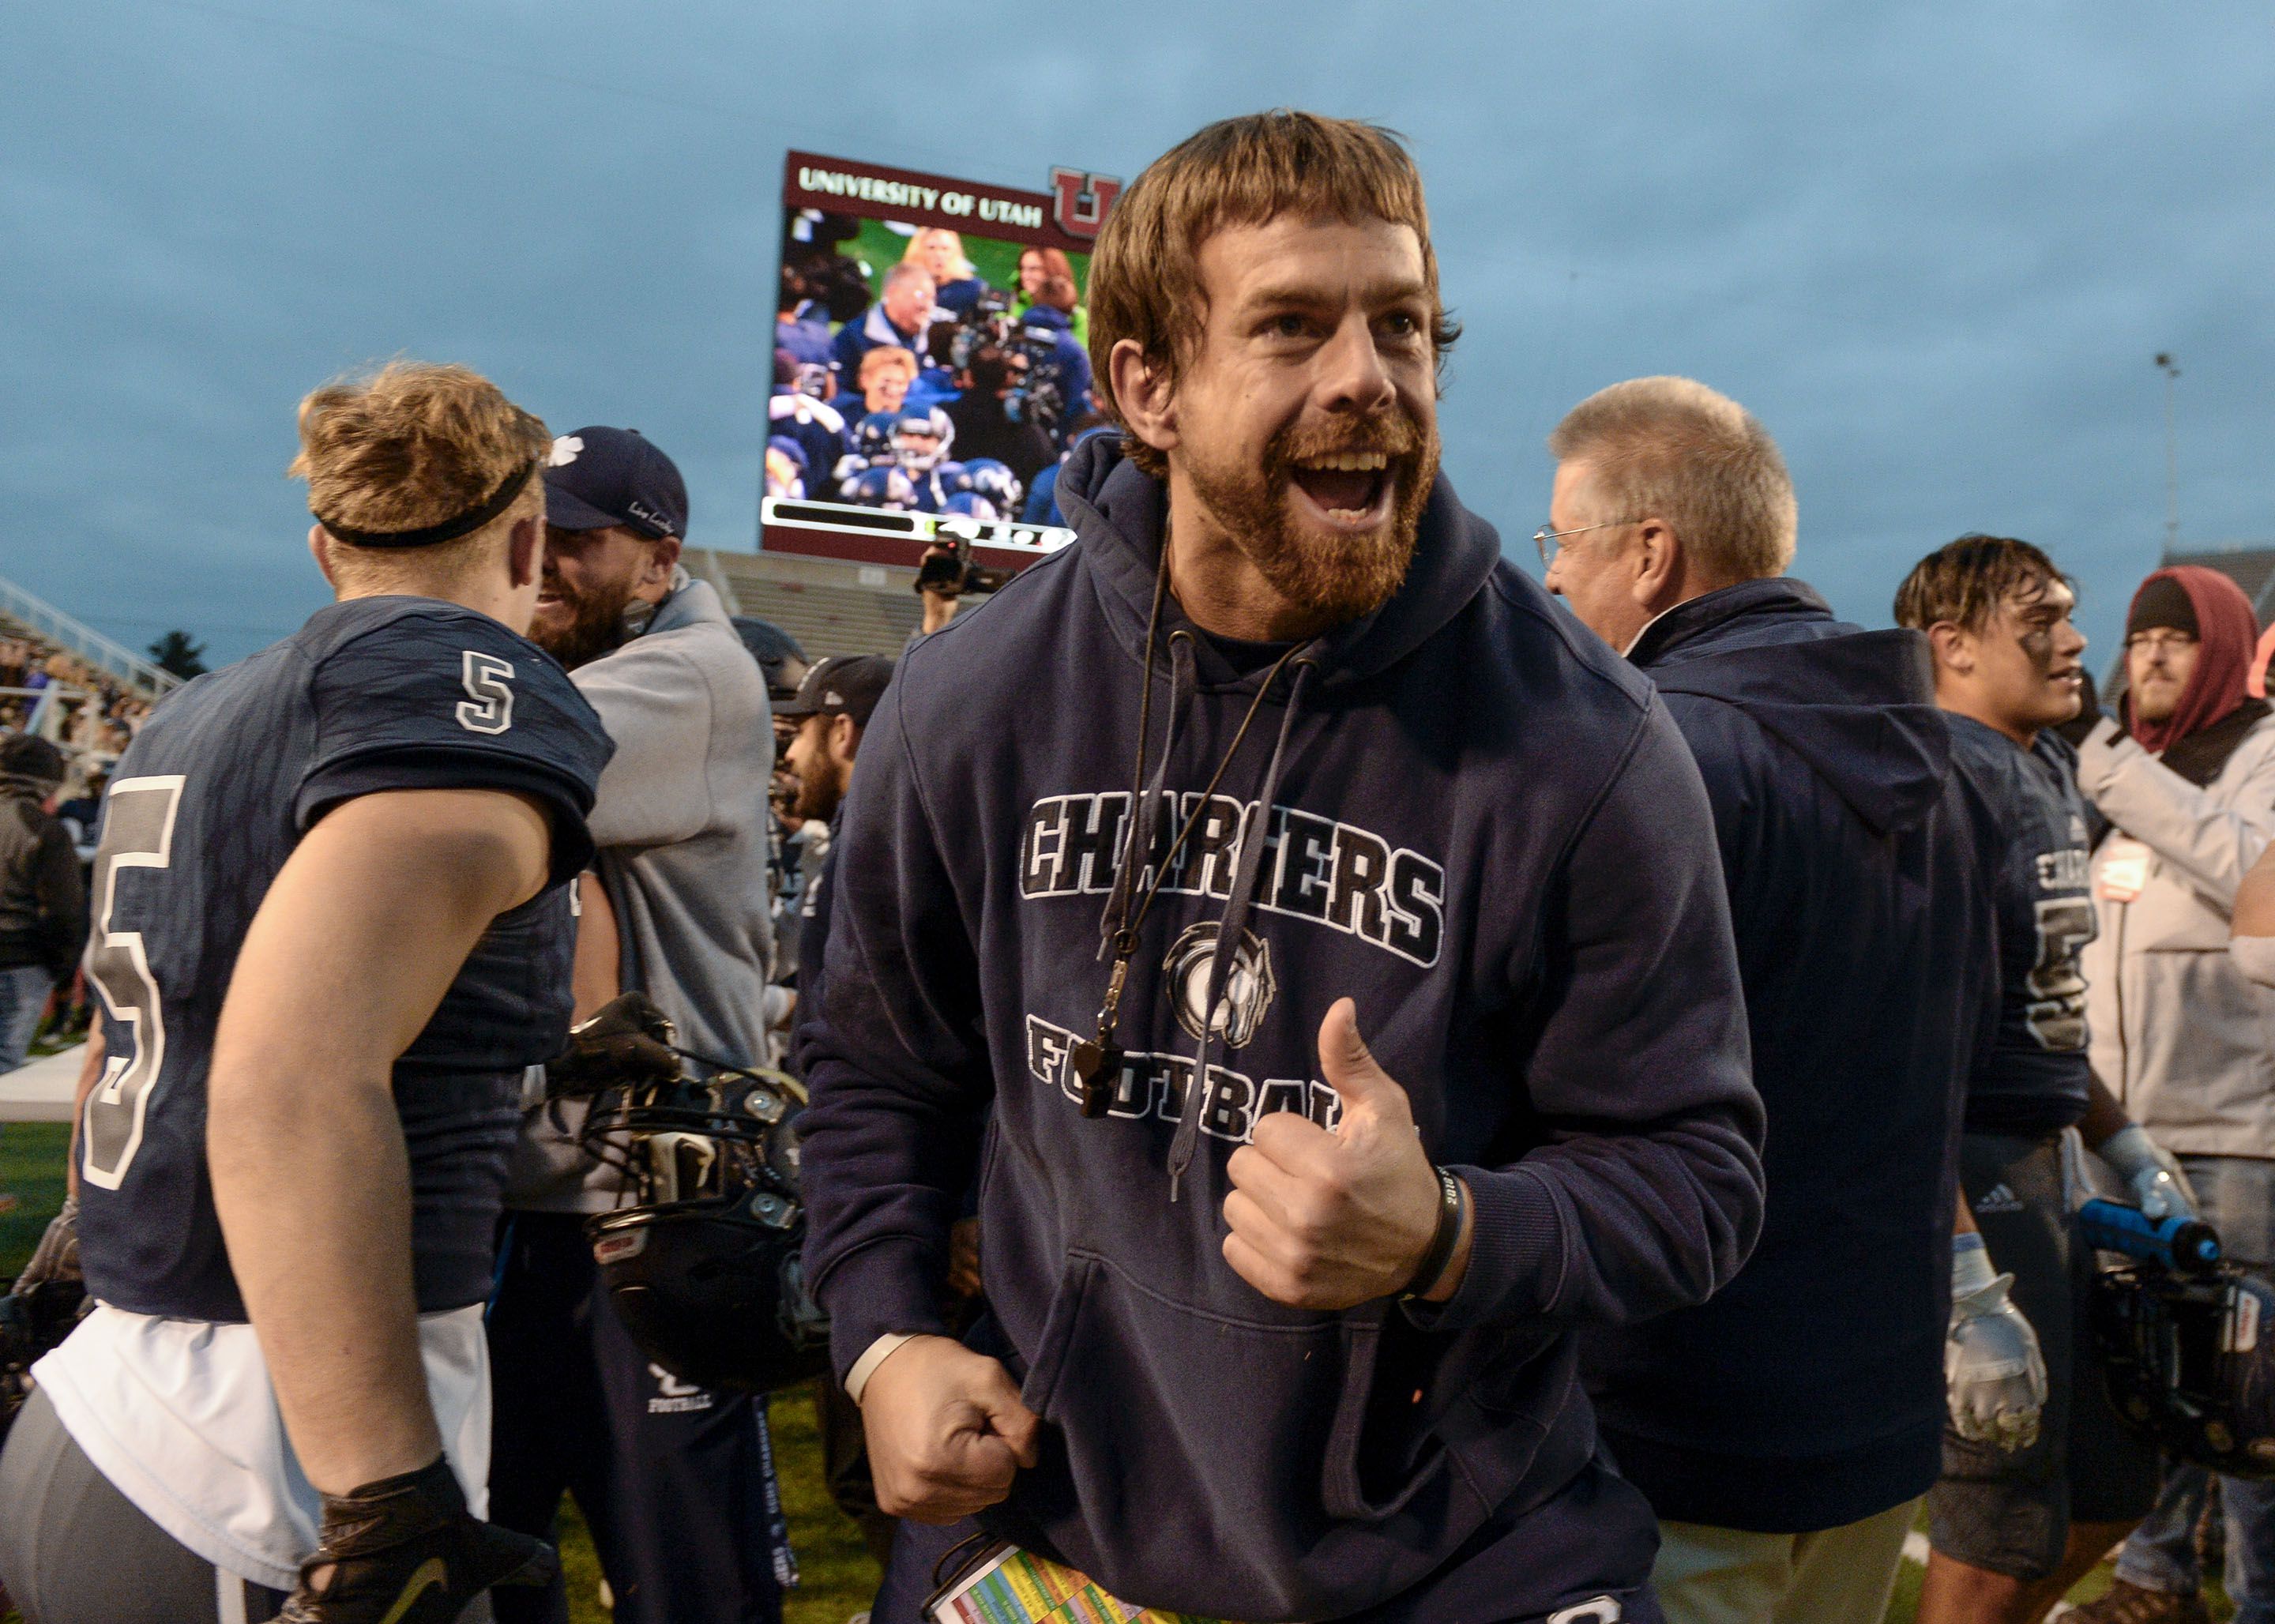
1038 393
947 571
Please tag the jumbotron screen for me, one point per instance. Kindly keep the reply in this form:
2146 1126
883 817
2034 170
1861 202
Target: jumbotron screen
930 361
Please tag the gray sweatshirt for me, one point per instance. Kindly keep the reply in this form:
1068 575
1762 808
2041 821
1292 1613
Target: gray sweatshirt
681 825
2183 1040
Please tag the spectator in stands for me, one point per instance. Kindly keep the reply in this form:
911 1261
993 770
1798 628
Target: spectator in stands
884 373
957 286
902 315
819 428
983 428
80 815
1038 265
42 898
1054 311
1042 504
798 324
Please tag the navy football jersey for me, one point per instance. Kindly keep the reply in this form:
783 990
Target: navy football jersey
372 694
2031 819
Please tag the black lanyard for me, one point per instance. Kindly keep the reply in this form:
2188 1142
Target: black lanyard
1097 1060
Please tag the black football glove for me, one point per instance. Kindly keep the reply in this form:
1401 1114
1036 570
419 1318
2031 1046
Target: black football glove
406 1550
622 1041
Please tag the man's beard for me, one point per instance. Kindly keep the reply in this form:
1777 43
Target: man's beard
1339 578
596 623
818 796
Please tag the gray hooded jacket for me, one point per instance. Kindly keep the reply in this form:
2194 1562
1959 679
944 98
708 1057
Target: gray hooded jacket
2182 1040
681 825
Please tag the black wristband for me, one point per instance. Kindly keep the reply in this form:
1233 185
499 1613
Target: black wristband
1452 1205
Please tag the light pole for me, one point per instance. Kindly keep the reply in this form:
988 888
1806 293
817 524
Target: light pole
2172 458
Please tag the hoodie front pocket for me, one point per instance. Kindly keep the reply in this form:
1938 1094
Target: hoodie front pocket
1208 1463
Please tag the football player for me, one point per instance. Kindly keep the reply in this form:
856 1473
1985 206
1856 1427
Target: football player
332 924
2012 1529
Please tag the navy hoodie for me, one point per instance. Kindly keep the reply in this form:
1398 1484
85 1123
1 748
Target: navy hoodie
1809 1393
1483 828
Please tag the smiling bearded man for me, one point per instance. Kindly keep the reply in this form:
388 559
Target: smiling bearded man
1279 1323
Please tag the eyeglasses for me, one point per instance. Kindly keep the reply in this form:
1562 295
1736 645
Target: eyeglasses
2161 641
1549 540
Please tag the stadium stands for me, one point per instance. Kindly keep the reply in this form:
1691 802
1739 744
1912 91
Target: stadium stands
70 683
831 606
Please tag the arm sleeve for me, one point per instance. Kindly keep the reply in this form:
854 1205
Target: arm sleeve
898 1071
62 893
454 703
657 707
2213 845
1647 1195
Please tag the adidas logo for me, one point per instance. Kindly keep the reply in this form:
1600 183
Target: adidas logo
2000 1199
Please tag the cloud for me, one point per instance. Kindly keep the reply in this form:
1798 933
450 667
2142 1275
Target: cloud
1933 247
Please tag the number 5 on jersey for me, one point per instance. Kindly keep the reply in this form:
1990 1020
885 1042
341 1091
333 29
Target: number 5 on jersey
138 832
489 705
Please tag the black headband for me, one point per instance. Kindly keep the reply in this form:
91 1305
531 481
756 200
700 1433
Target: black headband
449 529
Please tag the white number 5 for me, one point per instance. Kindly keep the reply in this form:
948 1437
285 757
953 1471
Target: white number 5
489 705
138 832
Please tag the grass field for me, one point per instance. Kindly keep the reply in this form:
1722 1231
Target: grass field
836 1577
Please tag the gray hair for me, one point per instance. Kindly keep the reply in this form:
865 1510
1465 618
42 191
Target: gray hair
1672 448
906 271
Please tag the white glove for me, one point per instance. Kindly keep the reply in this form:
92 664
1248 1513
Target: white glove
1994 1377
57 1256
2152 1173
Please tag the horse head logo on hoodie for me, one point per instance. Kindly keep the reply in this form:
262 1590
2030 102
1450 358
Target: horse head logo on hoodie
1249 987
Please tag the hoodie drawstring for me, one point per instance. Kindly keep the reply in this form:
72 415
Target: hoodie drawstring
1232 925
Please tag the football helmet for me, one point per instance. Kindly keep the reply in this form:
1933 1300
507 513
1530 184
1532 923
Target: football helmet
920 439
970 504
995 482
2190 1362
32 1321
872 440
703 1261
887 488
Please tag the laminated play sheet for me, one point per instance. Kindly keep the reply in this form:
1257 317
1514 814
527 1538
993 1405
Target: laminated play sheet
1017 1587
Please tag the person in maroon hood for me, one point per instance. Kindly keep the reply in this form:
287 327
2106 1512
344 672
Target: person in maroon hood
2185 773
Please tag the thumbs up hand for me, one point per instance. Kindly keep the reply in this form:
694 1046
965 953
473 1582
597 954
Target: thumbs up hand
1329 1221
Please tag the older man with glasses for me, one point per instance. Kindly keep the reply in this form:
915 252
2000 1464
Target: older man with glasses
1784 1431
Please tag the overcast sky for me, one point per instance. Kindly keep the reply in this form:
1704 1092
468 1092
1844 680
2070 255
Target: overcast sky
1934 247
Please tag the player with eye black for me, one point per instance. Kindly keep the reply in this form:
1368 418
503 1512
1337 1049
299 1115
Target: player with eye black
2012 1529
332 926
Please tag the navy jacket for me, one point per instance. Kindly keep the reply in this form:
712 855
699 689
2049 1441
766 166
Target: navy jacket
1810 1393
1482 826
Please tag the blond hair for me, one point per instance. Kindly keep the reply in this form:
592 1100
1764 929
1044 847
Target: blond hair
1672 449
1145 277
924 234
412 445
877 359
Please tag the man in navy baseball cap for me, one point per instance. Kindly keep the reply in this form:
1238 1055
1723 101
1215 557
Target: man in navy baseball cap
675 1480
615 510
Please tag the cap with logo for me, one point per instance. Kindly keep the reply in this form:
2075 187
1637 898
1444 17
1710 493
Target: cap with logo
842 685
598 478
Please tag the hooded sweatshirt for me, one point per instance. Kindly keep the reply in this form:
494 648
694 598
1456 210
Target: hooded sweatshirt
1482 826
2180 1037
1799 1398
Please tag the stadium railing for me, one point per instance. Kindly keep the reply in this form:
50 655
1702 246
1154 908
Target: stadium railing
46 621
